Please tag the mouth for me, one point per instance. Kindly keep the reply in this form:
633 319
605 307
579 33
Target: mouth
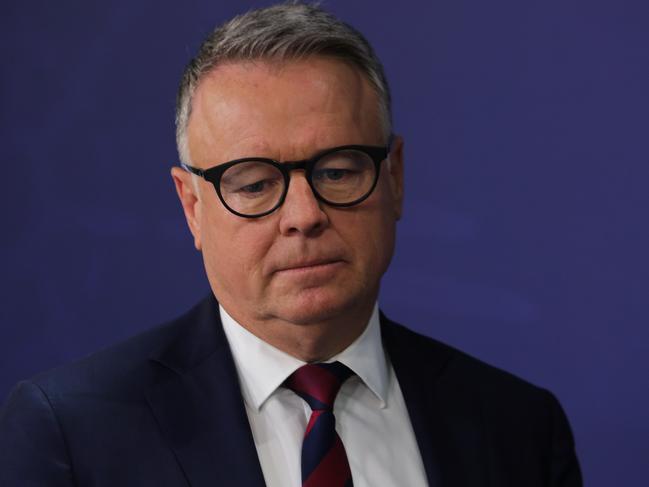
310 266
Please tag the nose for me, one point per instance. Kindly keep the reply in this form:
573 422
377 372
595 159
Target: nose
301 212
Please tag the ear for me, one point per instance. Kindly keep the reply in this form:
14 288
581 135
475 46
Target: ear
190 201
395 169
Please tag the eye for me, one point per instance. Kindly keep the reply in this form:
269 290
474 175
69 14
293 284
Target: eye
262 188
331 174
254 187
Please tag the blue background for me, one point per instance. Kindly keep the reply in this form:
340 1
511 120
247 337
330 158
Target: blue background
525 235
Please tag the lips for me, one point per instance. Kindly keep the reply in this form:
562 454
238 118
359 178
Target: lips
307 264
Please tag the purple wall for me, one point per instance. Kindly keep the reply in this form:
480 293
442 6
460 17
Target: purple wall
525 234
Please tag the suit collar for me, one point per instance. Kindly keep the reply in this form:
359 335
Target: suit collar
446 419
197 335
407 365
197 403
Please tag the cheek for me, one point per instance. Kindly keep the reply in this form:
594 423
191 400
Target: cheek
383 242
384 227
234 249
370 234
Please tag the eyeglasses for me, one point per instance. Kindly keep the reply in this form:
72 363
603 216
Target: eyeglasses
256 186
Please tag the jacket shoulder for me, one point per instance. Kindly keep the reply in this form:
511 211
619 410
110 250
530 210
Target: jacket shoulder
522 425
123 368
456 372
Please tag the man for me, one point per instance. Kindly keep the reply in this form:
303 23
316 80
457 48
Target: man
291 184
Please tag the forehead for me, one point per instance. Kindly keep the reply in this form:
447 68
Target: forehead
282 110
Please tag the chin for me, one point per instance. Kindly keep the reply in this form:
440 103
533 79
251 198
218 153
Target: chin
311 306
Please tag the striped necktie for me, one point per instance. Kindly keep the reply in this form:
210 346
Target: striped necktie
324 461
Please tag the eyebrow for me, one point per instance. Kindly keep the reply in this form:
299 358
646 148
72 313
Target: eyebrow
313 155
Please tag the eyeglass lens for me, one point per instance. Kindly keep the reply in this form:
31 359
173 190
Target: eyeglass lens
254 187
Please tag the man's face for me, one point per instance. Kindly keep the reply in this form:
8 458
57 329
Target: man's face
306 262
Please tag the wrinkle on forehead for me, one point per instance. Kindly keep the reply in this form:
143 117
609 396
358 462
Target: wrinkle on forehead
284 111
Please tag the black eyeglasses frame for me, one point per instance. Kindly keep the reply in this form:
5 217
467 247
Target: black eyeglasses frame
213 175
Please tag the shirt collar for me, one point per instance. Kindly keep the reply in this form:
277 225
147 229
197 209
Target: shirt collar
262 368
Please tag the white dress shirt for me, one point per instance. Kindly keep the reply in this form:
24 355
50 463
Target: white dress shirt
371 415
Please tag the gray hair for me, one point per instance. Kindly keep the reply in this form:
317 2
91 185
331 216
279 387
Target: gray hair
284 32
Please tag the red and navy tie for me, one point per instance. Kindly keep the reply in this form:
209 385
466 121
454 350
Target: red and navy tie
324 461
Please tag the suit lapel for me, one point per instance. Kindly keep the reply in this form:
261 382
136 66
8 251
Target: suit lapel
199 407
448 429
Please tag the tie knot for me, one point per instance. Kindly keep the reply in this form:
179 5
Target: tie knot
318 384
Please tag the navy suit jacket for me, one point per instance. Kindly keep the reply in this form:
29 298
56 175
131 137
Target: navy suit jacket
165 409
